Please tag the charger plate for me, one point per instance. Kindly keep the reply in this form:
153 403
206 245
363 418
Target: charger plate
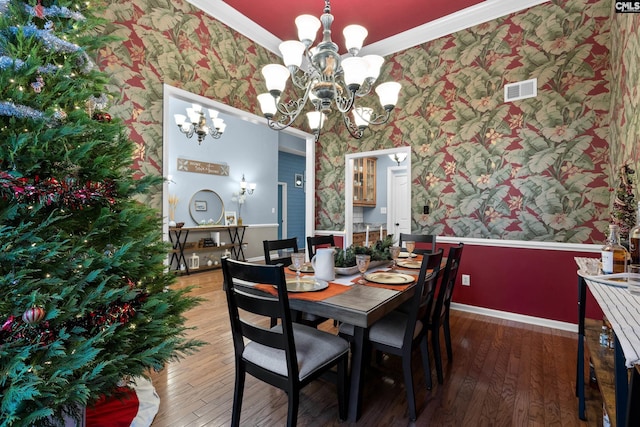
388 278
306 284
409 264
406 255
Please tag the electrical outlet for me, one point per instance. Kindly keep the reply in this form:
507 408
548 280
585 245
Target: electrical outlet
466 280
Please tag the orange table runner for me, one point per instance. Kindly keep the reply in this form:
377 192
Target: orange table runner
333 290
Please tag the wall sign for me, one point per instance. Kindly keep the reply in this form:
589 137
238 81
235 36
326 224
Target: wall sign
203 167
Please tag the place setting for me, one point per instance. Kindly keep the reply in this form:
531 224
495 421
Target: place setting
390 278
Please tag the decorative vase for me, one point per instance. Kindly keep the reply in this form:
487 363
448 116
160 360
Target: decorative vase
239 221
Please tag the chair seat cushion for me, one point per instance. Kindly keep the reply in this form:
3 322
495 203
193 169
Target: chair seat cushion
388 331
314 349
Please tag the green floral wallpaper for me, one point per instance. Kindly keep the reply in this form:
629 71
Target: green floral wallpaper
535 169
625 93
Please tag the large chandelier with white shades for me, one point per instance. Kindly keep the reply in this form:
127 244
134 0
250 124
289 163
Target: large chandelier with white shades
326 79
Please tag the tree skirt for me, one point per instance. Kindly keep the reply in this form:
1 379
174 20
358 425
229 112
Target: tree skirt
135 407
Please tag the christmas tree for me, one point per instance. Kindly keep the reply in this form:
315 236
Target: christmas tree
624 208
85 299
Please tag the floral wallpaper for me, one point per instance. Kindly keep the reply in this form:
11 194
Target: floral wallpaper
535 169
625 93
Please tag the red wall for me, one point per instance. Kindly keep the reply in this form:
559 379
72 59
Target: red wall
534 282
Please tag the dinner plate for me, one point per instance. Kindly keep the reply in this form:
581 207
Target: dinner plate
406 255
409 264
306 284
306 268
389 278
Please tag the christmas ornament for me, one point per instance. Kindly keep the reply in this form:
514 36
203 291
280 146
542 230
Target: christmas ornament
38 84
33 315
102 117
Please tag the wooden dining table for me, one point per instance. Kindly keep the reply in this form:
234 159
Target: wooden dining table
361 305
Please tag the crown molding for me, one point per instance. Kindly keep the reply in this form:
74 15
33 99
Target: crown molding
466 18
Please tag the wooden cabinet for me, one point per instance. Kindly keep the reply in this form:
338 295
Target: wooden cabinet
364 181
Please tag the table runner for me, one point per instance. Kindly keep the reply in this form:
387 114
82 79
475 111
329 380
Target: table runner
333 290
623 312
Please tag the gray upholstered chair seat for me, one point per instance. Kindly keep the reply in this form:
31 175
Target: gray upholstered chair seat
314 348
388 331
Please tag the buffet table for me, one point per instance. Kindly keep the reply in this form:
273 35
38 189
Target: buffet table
623 312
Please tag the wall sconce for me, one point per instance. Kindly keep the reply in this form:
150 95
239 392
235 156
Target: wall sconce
398 157
197 123
298 180
247 188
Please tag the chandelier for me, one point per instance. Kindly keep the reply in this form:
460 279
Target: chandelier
326 79
197 123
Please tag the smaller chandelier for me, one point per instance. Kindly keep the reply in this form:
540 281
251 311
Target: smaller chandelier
398 157
326 78
197 123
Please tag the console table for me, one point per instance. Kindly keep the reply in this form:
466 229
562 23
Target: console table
181 246
623 312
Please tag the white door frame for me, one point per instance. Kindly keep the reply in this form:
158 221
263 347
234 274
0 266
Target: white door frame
170 92
348 184
283 210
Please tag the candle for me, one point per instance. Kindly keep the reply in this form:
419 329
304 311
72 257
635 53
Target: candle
366 240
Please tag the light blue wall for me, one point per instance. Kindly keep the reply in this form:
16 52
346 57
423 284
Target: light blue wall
246 148
373 215
288 166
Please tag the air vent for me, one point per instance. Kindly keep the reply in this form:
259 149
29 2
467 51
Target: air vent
521 90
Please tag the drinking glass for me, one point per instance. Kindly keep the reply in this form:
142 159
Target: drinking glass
394 251
297 259
362 261
411 245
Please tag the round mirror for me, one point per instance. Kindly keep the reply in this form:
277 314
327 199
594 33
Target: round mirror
206 208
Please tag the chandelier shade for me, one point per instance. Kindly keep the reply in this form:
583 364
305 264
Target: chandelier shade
328 81
195 123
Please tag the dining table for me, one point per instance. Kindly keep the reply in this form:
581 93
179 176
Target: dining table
361 305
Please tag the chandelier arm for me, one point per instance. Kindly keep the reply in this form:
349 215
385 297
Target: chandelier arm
301 80
344 103
365 88
378 119
354 130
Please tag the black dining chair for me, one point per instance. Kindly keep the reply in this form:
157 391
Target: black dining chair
313 242
289 355
424 242
279 252
400 333
439 317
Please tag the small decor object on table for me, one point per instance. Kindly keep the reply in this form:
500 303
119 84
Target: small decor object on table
362 261
230 218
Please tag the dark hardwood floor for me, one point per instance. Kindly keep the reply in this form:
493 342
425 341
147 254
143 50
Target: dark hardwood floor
503 373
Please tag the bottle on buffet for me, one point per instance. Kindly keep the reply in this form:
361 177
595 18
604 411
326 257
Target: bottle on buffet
614 255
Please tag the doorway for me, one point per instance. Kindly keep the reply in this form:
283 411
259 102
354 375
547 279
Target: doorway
401 196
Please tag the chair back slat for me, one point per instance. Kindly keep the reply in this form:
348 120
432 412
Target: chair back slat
314 242
283 249
238 278
424 242
448 281
424 290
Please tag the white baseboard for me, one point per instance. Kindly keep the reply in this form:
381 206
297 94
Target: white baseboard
522 318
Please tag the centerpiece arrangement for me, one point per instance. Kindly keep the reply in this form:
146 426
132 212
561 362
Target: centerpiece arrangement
345 259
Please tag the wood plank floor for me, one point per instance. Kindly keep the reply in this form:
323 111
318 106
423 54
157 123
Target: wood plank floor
503 374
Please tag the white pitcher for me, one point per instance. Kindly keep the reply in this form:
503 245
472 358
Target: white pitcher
323 264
